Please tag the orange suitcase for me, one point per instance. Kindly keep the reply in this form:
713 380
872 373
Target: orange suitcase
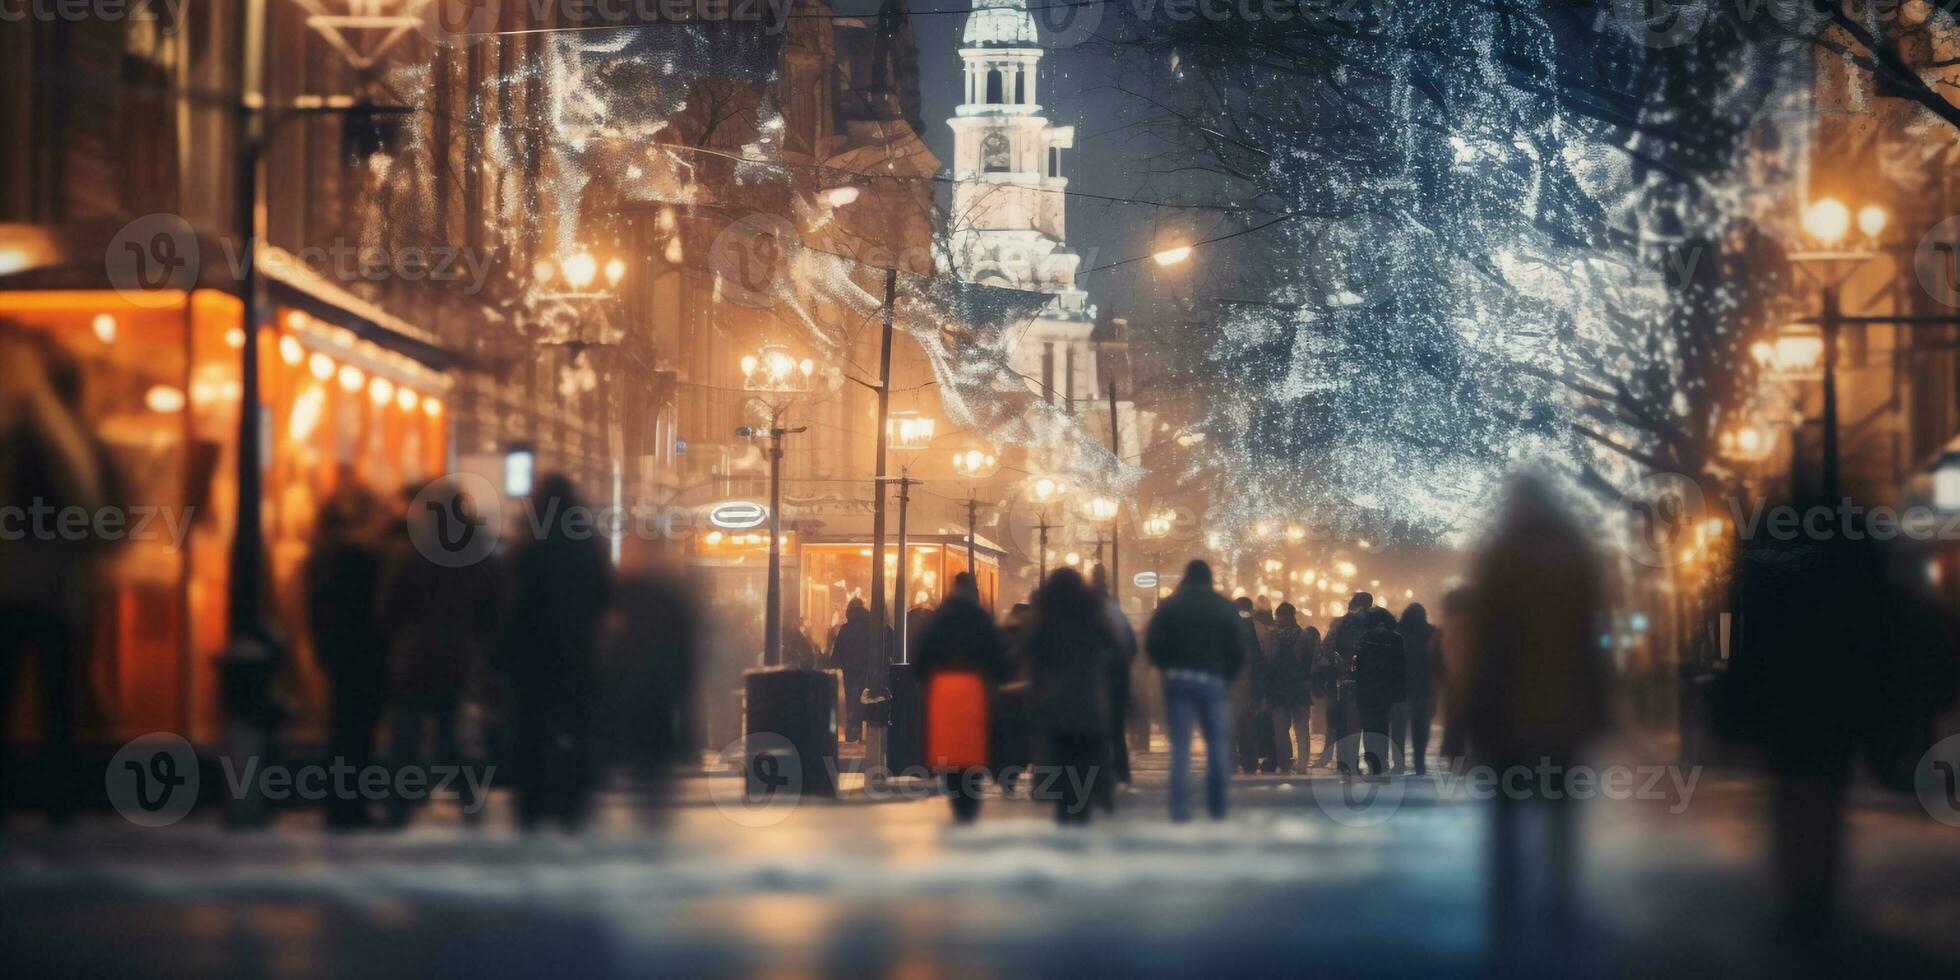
956 721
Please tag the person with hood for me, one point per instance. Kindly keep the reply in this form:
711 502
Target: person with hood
439 619
960 660
1289 692
1276 649
850 654
1335 675
1119 682
1071 655
1378 684
562 585
1196 639
343 581
1422 655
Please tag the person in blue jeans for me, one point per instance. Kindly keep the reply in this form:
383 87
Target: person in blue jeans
1196 640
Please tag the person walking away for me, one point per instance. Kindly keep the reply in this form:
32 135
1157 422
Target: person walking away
1422 656
561 586
343 583
1533 694
1245 736
1013 743
1196 640
651 666
48 459
1336 675
1120 692
850 654
961 660
1289 691
1378 684
1071 654
438 621
1276 651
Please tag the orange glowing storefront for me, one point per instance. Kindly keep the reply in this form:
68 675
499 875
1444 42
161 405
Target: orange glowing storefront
162 391
825 566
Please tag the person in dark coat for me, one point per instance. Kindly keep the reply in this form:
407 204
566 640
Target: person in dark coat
343 581
1335 673
1197 640
1289 694
1422 656
1532 693
651 664
960 637
1071 655
561 586
438 621
1834 657
1378 684
1119 683
1245 711
850 653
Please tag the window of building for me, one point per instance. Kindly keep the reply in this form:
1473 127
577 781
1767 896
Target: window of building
1054 161
994 96
1020 88
1048 373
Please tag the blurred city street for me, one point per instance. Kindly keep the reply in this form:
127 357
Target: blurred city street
856 888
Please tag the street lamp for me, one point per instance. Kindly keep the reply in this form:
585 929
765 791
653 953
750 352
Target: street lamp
973 464
1826 222
906 431
1172 255
774 371
1043 491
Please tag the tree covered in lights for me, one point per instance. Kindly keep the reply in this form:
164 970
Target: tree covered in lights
1478 233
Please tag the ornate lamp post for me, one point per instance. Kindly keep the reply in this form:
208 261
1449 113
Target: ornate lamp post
973 465
906 432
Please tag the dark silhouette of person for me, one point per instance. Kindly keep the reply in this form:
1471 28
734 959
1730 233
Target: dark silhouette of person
439 621
1378 685
1532 692
650 665
1119 685
1197 641
343 582
960 638
850 654
1289 693
1422 652
1071 655
1245 713
48 457
1335 674
1833 657
561 586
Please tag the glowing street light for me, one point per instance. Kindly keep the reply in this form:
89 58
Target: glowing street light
974 464
1100 508
1173 255
908 430
1826 221
775 369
